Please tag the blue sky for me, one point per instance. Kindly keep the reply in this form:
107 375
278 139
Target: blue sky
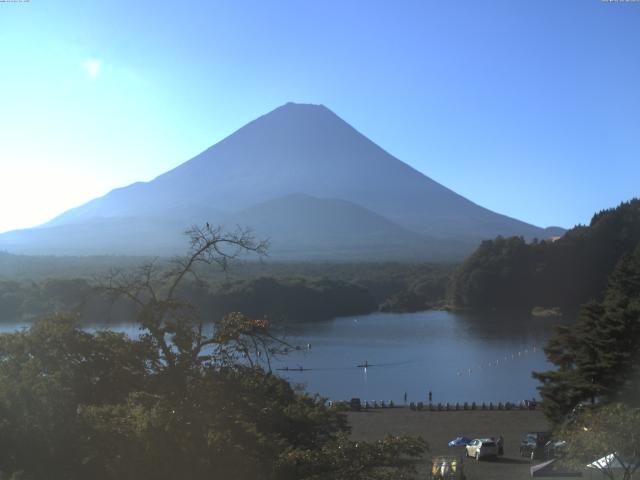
529 108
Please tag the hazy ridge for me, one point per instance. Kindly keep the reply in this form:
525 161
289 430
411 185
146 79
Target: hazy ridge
298 175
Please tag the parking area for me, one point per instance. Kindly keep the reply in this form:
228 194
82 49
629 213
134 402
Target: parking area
437 428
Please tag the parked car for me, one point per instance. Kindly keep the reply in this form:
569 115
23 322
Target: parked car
482 448
460 442
355 404
532 444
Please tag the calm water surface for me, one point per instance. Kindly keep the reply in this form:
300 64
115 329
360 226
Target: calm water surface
470 357
482 358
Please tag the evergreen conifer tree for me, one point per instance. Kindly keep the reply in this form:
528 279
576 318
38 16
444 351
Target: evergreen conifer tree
598 357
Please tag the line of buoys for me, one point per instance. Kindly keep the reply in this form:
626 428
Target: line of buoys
490 364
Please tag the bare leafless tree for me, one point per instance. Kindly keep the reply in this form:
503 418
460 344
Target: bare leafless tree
173 326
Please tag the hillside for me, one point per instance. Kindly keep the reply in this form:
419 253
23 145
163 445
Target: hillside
305 227
511 273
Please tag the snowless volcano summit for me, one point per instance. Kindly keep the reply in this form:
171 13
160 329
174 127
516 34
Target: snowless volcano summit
299 175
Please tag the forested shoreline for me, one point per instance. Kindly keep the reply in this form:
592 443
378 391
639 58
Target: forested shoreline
503 273
567 272
282 292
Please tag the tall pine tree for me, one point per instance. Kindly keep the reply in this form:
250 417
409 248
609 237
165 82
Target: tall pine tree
599 356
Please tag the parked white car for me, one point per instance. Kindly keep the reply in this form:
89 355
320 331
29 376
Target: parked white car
482 448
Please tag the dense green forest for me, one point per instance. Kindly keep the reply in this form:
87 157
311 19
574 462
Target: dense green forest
291 299
283 292
511 273
592 397
37 268
598 357
422 292
280 300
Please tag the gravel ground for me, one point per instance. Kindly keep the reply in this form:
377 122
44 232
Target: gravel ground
437 428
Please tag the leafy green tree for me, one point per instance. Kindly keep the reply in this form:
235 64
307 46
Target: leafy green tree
46 375
611 431
344 459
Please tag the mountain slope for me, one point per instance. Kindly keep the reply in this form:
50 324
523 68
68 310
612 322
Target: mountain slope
295 148
301 226
298 227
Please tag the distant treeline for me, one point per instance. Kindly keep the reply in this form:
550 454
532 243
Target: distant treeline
282 292
422 292
501 273
28 300
285 300
280 300
510 273
42 267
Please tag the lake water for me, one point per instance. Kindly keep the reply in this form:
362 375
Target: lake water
458 357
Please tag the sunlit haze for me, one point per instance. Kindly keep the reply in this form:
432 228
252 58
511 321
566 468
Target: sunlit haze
528 108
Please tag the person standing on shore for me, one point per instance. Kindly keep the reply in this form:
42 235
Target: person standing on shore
500 444
405 398
430 396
